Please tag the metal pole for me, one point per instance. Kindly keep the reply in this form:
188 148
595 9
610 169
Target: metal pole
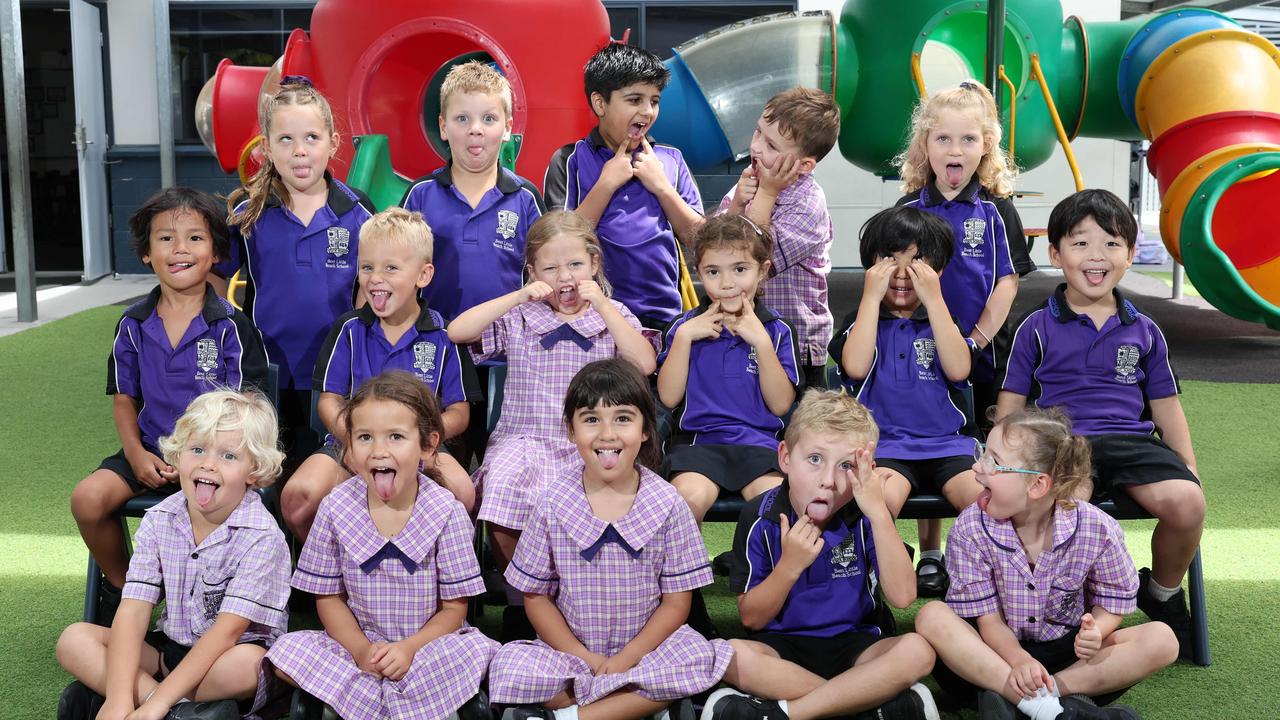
15 118
1177 281
164 93
995 49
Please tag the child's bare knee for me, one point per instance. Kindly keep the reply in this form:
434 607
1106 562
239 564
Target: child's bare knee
917 652
93 498
931 615
74 640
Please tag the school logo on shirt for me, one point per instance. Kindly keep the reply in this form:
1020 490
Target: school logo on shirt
975 230
339 241
926 349
507 222
206 358
844 559
753 362
424 357
1126 361
213 602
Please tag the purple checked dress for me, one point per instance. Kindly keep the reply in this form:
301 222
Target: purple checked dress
392 589
606 600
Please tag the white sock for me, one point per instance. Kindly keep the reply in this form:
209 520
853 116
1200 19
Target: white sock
569 713
1044 706
1159 591
515 598
929 569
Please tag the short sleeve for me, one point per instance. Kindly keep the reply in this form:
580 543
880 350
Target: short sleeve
413 200
1015 235
559 176
319 569
669 336
1024 357
1004 260
259 591
686 187
532 569
535 206
332 373
801 230
1159 381
1112 581
249 369
458 381
123 365
493 341
784 344
752 561
973 585
457 570
685 563
145 578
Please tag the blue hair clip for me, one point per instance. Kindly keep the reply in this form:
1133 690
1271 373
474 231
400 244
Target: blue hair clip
296 80
970 85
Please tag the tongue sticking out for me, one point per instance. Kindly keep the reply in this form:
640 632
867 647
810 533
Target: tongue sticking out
379 301
569 298
984 499
608 459
204 493
817 510
954 175
384 483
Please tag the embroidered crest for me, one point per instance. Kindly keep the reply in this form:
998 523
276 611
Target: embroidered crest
424 356
753 364
845 553
1126 361
974 229
339 241
926 349
206 354
507 221
213 602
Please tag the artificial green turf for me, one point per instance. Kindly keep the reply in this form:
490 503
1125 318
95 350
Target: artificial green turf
1166 277
57 426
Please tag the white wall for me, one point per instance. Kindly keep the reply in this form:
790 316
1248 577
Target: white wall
131 29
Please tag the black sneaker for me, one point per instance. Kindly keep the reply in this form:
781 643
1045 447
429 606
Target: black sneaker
681 709
1082 707
108 602
914 703
78 702
528 712
729 704
934 584
305 706
515 625
993 706
477 708
217 710
1172 612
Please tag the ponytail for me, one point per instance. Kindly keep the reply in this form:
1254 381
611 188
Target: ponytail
1047 444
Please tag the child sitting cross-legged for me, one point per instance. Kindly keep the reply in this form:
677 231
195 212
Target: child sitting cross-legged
806 555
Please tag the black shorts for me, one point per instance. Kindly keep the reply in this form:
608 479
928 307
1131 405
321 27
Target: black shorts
1121 459
172 652
732 467
825 657
296 434
929 475
815 376
119 465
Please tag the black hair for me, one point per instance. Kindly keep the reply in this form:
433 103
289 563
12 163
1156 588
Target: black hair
614 382
616 66
1110 212
891 231
180 198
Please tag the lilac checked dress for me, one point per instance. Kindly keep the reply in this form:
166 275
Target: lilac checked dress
654 549
529 447
392 589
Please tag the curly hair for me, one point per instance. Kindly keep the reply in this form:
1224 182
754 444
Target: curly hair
996 170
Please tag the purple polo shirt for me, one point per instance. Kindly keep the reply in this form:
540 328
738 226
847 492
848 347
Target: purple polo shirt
723 404
834 595
220 349
982 250
640 247
1102 379
300 278
357 349
918 410
479 252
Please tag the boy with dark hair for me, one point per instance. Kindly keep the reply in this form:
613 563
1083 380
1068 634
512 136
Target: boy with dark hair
1088 350
640 195
180 341
797 128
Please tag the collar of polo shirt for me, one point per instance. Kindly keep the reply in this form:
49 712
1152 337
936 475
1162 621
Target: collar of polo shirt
424 323
763 313
338 201
250 513
215 308
597 140
933 194
920 314
781 503
1062 312
1004 536
507 183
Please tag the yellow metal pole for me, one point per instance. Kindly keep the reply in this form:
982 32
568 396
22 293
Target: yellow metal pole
1057 121
1013 109
918 76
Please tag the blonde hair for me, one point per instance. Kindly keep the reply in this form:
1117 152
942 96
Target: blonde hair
995 171
397 226
566 222
475 77
231 411
832 411
1046 443
267 181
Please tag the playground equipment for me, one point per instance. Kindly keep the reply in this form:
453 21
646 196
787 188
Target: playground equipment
1205 91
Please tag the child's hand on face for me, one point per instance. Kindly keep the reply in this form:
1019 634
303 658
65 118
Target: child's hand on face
780 175
1089 639
926 282
591 291
618 170
801 544
747 326
745 190
150 469
867 485
393 660
706 326
537 291
648 167
1026 676
875 282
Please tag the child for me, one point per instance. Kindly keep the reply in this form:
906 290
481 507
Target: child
730 368
297 232
1040 584
906 360
1089 350
805 566
954 167
182 340
559 322
607 562
796 130
214 555
391 563
393 329
479 212
640 196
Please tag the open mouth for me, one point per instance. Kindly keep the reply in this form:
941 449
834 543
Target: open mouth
984 499
818 509
636 131
475 150
608 457
1095 277
954 174
568 296
205 491
384 481
379 299
301 172
175 268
